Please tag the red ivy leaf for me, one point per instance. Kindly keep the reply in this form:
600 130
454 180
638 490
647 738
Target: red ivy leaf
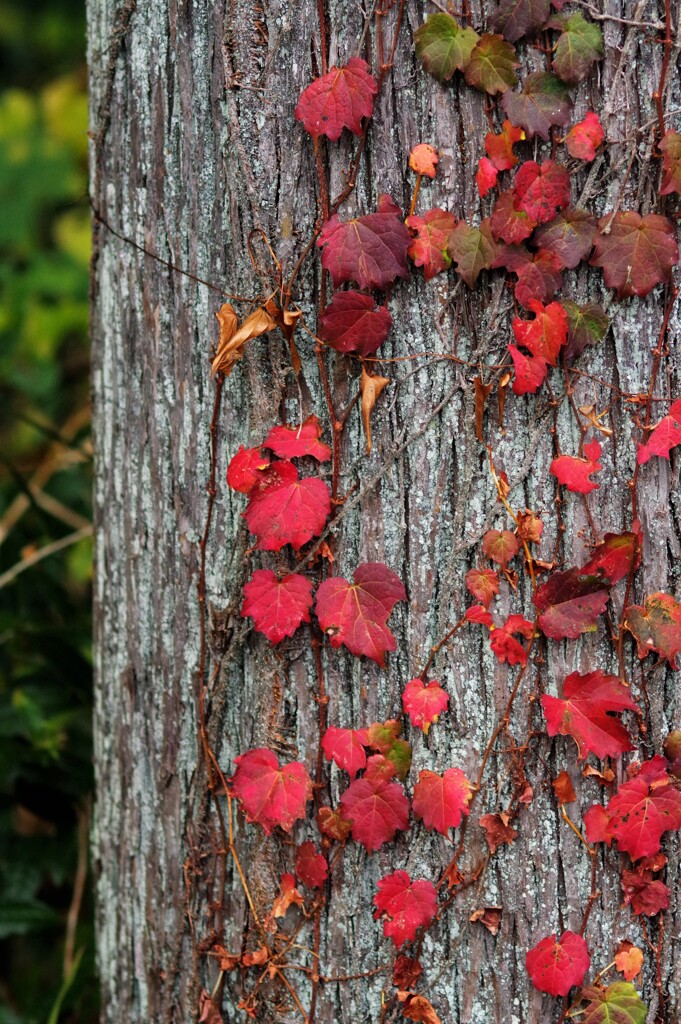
486 176
540 190
503 642
656 626
517 18
509 224
268 794
353 323
491 67
355 614
501 546
499 148
645 894
670 147
441 800
293 442
546 334
277 607
542 102
563 788
371 250
574 472
424 703
539 273
311 867
346 748
585 137
376 806
471 250
245 469
569 604
569 237
637 252
664 436
643 809
288 512
338 100
583 713
405 906
555 965
476 613
428 248
614 557
483 584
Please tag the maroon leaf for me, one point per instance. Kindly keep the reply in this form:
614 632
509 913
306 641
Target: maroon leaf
517 18
509 224
635 252
569 236
371 250
542 102
569 604
353 323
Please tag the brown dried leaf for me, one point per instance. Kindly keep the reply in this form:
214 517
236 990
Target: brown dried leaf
489 916
371 388
231 342
481 395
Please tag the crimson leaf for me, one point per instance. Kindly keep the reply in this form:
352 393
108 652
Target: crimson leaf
371 250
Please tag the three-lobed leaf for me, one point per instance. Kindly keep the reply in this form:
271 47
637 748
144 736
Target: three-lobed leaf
270 795
356 614
542 102
556 965
339 99
376 806
443 45
585 713
404 905
635 252
579 46
352 322
371 250
492 64
440 801
277 606
619 1003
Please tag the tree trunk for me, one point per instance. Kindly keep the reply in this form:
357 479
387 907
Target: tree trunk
194 147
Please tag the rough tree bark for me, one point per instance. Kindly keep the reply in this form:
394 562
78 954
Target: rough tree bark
194 145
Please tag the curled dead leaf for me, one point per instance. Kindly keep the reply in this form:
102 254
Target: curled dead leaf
232 340
481 395
489 916
371 388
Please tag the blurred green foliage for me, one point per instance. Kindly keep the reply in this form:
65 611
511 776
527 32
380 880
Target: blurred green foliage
45 484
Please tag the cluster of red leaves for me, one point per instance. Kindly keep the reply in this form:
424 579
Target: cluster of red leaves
641 811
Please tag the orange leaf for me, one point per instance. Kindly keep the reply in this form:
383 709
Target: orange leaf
371 388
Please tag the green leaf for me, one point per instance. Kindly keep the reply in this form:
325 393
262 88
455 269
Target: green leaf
619 1003
587 325
542 102
491 66
472 250
579 46
18 917
444 46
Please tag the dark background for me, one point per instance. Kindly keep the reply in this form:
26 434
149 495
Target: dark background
46 934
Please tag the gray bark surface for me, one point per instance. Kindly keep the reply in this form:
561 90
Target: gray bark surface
194 145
